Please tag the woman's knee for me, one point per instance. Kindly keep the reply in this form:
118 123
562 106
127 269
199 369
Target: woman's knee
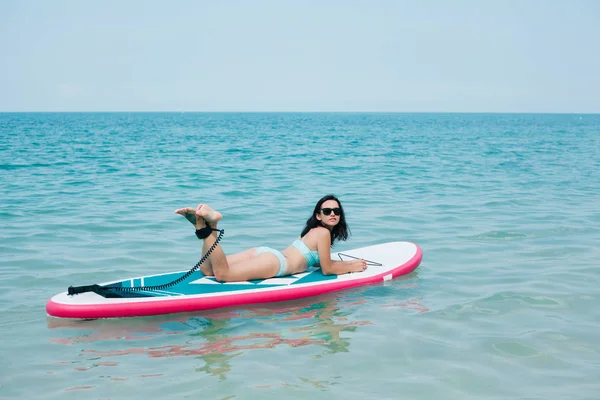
222 276
206 270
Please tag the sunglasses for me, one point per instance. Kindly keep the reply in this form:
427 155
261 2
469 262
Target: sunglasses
327 211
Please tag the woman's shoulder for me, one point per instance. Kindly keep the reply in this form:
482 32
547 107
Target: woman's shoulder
318 233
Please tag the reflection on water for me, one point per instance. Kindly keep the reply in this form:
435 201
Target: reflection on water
219 337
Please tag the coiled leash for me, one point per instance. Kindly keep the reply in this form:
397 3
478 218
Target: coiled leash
113 291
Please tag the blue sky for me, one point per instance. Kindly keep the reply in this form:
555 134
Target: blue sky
406 56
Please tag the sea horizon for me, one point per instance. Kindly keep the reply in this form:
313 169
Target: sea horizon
306 112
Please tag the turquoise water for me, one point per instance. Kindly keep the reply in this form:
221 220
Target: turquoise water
505 207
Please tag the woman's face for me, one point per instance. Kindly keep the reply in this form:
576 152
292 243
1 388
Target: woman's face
329 214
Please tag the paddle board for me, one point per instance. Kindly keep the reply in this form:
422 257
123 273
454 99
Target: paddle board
200 292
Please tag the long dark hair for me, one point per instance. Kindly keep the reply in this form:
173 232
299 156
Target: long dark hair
339 232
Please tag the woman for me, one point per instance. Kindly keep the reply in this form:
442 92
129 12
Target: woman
326 225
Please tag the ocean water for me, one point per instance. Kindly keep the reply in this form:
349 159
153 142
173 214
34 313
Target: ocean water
506 208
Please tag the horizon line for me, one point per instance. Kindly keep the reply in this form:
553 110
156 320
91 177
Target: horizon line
300 112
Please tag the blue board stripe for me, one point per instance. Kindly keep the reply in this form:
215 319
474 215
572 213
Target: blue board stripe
213 286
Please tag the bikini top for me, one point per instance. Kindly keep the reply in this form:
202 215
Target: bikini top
312 257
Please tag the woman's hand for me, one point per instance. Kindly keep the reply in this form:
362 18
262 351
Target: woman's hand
358 265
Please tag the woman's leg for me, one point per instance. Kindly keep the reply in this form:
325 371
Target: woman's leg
262 266
190 214
244 266
206 267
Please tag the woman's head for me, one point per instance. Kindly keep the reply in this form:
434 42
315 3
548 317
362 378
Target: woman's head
329 213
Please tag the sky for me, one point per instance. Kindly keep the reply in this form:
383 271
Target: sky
300 55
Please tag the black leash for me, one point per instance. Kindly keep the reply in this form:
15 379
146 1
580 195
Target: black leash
109 290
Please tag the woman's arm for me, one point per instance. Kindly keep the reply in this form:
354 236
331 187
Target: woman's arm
334 267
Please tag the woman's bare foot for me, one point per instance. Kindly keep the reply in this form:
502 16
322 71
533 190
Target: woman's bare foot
190 214
211 216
